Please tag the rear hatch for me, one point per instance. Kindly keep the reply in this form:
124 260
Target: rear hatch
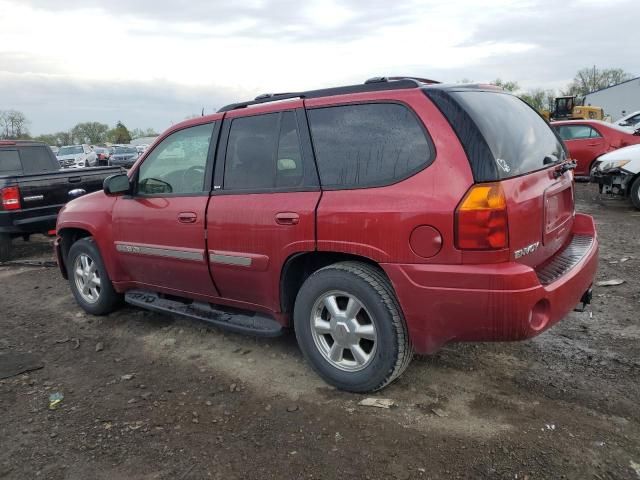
509 143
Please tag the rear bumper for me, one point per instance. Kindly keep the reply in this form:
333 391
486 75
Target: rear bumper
499 302
19 222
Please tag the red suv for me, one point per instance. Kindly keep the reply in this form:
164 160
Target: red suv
377 220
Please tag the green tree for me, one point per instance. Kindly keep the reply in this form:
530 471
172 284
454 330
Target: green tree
538 98
590 79
119 134
90 132
139 133
63 138
48 138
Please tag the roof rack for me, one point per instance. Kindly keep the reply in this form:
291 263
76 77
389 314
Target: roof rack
372 85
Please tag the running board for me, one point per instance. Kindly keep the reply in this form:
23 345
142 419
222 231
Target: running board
240 321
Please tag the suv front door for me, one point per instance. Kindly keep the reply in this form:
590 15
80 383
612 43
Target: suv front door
159 230
263 205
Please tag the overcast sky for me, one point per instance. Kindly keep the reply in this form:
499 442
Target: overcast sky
151 63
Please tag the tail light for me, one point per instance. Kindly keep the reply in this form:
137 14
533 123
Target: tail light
10 198
481 219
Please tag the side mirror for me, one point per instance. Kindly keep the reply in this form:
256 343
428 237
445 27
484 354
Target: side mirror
116 184
637 131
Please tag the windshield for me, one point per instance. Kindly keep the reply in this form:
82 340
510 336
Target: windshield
120 150
74 150
502 135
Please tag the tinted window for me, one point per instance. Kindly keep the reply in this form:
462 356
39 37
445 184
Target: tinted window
576 132
502 135
10 162
263 152
370 144
37 159
178 163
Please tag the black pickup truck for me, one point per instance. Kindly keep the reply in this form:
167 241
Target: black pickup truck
33 188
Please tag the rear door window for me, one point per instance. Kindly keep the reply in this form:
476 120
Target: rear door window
263 153
502 135
577 132
367 145
10 162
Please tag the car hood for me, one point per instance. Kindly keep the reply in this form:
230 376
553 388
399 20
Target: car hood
631 152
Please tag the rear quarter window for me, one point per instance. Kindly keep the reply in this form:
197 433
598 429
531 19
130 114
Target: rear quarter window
365 145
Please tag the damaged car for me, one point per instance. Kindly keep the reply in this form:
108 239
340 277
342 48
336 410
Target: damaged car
618 173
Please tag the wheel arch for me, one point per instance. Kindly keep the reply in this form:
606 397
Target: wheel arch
299 266
68 236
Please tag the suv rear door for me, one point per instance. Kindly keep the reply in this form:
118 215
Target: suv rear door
262 208
508 142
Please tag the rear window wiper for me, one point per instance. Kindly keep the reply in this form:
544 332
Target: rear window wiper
564 167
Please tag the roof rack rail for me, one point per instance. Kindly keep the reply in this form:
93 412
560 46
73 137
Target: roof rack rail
426 81
371 85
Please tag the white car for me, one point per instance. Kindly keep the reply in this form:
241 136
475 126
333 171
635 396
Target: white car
618 173
77 156
630 121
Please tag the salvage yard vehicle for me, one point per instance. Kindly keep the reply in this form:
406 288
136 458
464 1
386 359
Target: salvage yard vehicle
33 189
587 140
123 156
618 173
327 211
631 121
77 156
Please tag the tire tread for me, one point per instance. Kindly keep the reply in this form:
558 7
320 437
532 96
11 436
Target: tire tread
377 280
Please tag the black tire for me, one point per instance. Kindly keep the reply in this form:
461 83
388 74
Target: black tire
108 299
5 247
634 193
393 350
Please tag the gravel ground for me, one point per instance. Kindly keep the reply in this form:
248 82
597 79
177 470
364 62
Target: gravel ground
152 397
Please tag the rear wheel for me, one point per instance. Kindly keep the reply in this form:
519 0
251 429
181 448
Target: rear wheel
5 247
350 327
634 193
89 280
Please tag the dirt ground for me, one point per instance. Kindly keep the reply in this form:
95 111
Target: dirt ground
153 397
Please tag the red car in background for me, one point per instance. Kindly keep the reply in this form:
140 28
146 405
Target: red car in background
586 140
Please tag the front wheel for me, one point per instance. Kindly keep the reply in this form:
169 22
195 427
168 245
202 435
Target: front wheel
350 328
634 193
89 280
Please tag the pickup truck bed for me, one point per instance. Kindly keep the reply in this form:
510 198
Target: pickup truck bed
33 189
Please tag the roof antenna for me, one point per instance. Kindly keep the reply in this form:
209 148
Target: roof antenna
202 112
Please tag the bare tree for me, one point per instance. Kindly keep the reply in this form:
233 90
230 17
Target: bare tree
591 79
13 124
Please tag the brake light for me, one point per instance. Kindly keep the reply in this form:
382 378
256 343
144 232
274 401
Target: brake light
10 198
481 219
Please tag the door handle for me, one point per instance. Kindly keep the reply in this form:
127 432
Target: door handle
287 218
187 217
75 179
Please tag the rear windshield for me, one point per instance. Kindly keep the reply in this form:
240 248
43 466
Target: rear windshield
502 135
10 162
